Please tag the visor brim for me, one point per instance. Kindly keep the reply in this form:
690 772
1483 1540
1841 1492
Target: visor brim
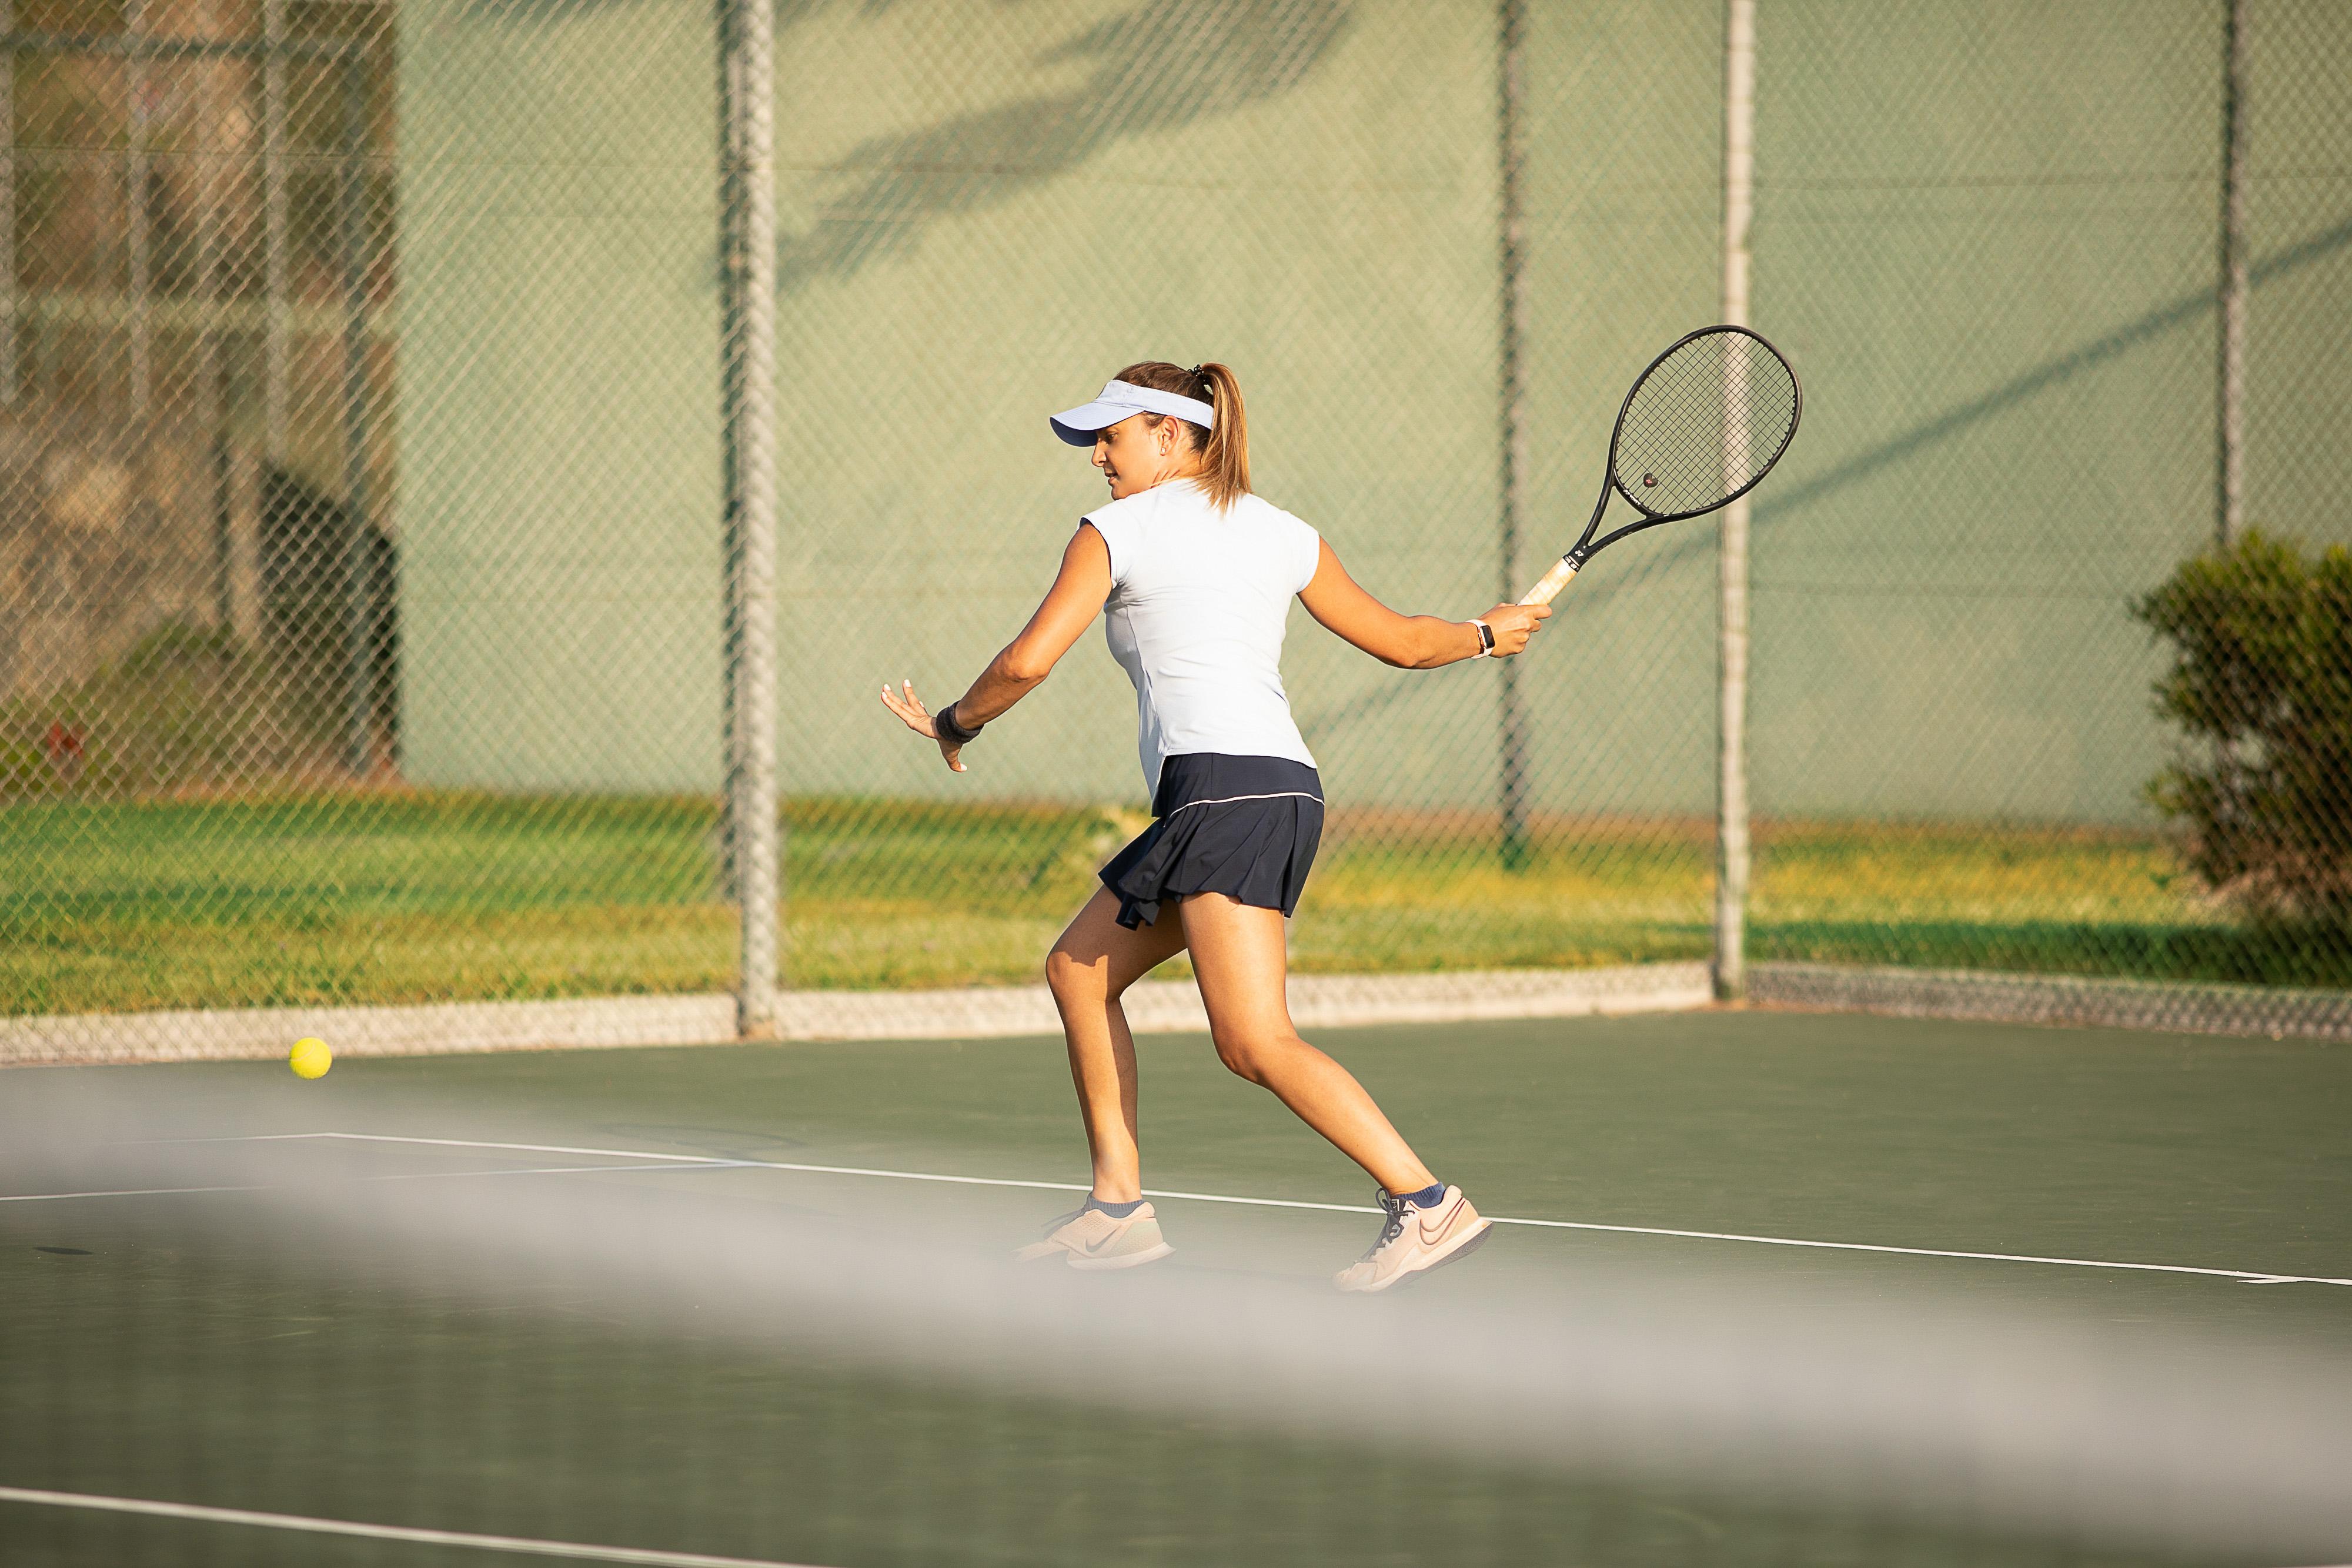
1078 425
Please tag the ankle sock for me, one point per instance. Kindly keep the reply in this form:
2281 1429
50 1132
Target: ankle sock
1116 1210
1426 1197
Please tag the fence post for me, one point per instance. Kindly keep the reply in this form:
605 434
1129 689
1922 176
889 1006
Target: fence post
8 301
359 741
1512 760
1731 858
2230 502
276 355
217 147
748 363
138 227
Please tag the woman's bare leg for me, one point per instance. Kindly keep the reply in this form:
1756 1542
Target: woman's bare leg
1238 956
1092 964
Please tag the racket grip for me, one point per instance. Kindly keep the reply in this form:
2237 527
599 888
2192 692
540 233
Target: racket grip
1555 580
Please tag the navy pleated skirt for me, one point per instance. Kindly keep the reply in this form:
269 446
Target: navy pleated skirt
1242 826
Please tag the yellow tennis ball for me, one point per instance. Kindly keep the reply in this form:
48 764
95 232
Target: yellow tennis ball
310 1058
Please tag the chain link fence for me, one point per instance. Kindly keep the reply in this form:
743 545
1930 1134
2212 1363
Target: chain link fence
365 477
1996 241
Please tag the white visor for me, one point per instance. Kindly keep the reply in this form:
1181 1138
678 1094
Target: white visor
1123 400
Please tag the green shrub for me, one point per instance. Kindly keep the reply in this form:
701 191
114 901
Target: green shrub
2261 685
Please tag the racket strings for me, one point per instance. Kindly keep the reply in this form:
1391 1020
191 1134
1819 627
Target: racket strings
1707 422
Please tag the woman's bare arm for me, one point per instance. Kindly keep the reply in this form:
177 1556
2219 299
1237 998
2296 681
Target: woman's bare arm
1070 606
1408 642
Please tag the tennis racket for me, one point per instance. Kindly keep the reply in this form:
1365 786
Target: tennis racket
1702 424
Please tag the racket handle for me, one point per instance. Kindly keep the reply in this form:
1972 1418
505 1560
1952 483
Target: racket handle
1555 580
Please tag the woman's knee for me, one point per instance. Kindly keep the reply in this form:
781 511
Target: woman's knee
1075 979
1065 976
1254 1053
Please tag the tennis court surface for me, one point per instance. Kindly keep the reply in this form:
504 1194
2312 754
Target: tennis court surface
1784 1288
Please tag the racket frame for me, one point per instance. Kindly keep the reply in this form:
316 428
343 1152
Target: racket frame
1586 547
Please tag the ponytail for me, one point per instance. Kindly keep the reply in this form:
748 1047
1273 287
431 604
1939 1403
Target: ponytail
1224 449
1226 456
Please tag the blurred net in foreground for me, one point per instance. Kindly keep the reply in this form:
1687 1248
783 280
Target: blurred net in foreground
362 603
370 1329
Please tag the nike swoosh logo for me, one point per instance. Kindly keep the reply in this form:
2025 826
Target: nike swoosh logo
1429 1237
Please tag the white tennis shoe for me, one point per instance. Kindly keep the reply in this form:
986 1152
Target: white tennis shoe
1414 1240
1093 1239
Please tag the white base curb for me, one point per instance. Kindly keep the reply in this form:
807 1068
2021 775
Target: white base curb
228 1035
1172 1007
2178 1007
1317 1002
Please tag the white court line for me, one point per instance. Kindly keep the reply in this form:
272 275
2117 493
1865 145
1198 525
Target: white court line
2253 1277
517 1543
136 1192
685 1162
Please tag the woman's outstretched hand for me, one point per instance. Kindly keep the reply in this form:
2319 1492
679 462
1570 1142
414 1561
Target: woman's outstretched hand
1513 625
909 707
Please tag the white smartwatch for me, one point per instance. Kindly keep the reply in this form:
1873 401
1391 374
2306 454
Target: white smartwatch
1485 640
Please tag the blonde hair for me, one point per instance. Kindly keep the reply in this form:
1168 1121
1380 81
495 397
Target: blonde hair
1225 451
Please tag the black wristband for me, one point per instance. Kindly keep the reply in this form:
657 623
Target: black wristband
951 729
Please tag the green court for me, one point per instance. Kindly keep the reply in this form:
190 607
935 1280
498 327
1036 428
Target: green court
309 1348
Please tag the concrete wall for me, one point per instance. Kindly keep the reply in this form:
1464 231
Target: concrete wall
559 397
1985 235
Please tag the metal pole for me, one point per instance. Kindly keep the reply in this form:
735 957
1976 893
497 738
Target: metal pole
211 156
2230 508
359 749
8 324
1731 857
276 353
731 486
134 179
1512 761
747 351
210 159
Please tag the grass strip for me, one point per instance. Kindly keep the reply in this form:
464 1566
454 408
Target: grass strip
422 896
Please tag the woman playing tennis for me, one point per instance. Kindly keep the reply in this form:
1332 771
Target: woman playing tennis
1195 575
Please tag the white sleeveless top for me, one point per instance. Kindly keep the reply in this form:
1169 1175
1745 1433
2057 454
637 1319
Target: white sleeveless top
1197 606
